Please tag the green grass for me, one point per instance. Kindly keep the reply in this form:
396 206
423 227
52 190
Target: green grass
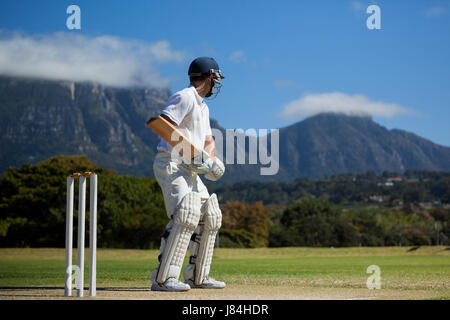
427 268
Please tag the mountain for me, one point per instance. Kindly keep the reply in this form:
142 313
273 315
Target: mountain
330 143
43 118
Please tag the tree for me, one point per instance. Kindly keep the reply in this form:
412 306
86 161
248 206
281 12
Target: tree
251 219
316 223
131 210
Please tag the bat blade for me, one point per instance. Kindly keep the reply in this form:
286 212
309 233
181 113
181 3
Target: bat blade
174 137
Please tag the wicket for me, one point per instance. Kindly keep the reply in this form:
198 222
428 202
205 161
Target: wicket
79 272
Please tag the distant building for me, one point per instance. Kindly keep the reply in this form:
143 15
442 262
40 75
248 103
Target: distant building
386 184
376 198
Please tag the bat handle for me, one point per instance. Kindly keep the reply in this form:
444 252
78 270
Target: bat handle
205 155
201 158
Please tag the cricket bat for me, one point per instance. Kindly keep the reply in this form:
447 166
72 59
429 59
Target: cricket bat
175 138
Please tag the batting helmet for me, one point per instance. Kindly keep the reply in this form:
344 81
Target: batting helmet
206 65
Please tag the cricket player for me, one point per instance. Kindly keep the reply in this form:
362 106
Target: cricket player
195 216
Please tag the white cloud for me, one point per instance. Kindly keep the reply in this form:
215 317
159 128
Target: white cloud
435 11
337 102
162 52
358 6
238 56
107 60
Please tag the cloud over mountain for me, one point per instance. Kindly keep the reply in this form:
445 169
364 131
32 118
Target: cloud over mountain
337 102
107 60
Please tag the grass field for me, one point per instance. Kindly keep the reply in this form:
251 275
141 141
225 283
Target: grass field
266 273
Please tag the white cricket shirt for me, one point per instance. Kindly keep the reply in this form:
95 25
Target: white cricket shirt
191 114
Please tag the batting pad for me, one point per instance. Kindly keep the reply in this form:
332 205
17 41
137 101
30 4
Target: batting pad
185 220
212 223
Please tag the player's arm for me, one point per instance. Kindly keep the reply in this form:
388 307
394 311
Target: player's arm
180 150
168 119
210 146
217 168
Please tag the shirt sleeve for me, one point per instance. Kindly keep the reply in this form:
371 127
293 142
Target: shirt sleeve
208 131
177 107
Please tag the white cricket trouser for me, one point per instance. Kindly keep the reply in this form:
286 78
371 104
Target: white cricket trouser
176 181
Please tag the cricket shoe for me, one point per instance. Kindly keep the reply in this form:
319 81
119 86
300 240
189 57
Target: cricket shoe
208 283
171 284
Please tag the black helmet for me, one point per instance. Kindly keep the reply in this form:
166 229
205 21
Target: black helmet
205 65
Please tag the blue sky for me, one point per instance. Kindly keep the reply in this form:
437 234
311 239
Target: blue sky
275 54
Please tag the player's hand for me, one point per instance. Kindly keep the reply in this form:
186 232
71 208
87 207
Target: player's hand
212 168
216 169
200 164
201 168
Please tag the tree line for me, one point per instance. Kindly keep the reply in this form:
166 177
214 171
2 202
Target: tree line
413 186
337 211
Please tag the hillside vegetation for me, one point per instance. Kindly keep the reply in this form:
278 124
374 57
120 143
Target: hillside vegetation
340 211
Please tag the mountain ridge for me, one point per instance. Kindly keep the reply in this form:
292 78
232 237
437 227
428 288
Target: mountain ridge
42 118
358 143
